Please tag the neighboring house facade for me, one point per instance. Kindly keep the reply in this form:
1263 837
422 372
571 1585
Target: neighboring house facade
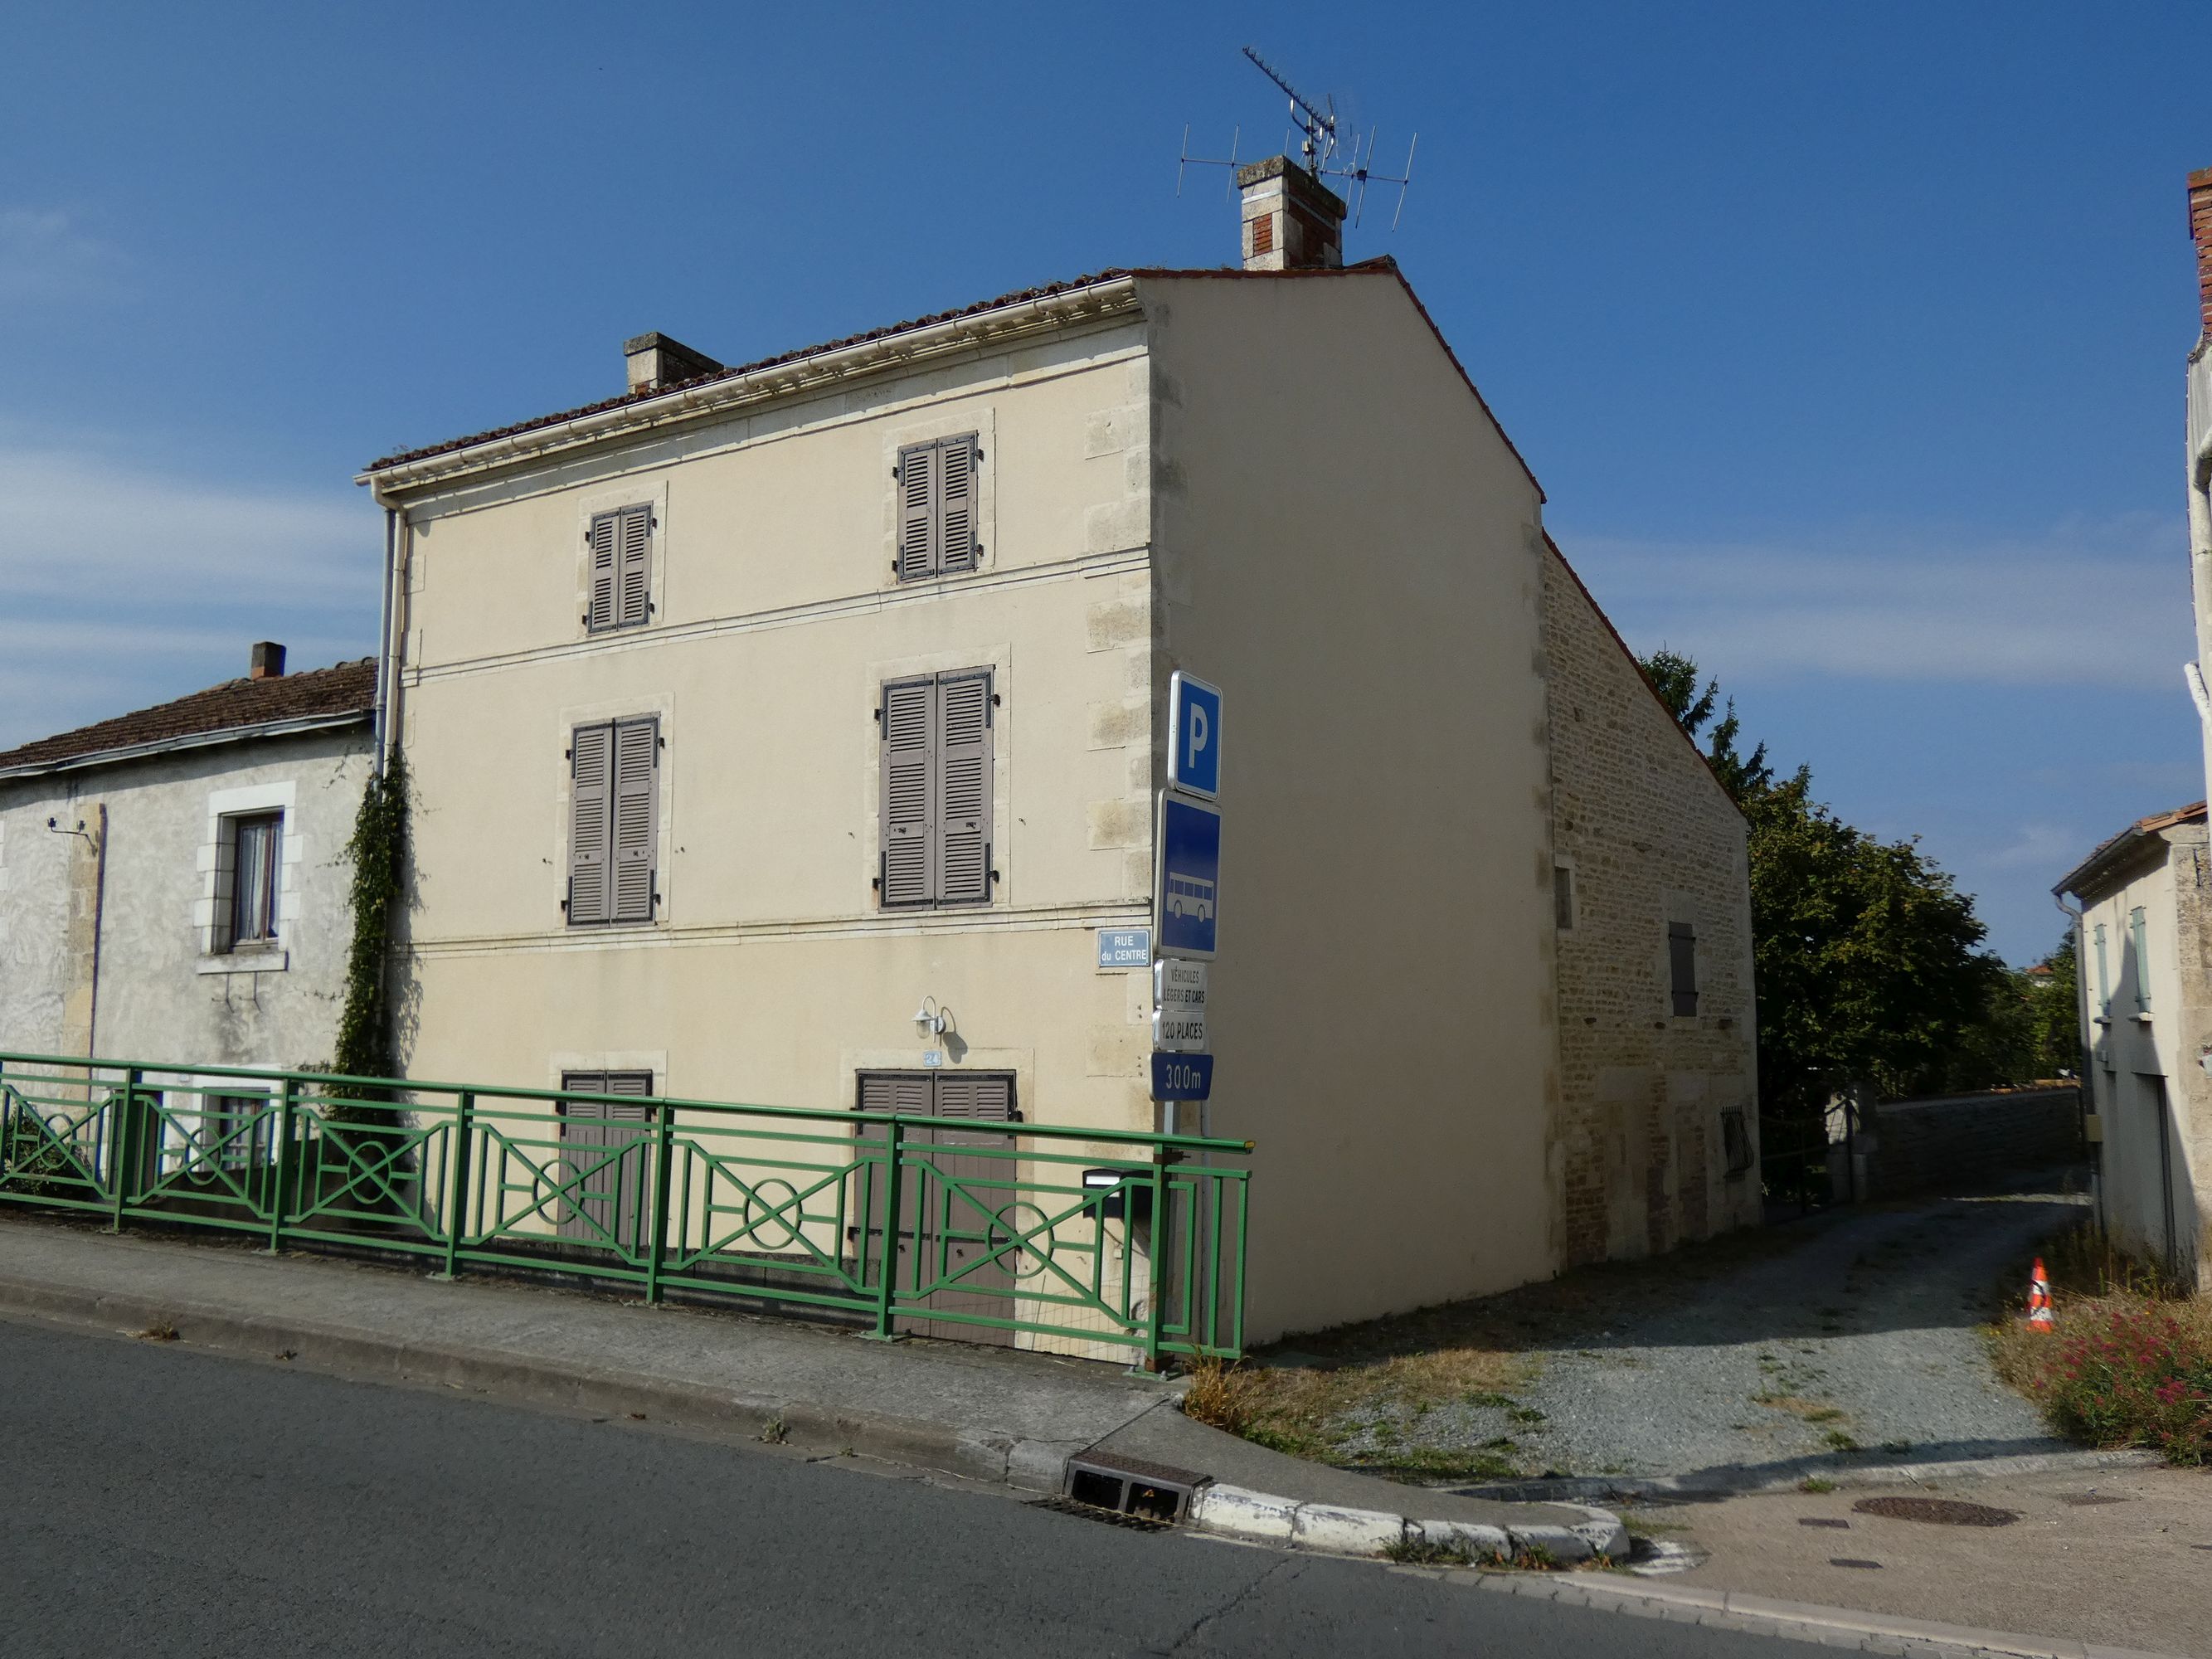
2146 979
171 886
753 709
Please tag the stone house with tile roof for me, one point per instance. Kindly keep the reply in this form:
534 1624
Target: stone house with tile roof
754 708
171 880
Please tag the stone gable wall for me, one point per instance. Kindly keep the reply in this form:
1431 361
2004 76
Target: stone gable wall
1650 839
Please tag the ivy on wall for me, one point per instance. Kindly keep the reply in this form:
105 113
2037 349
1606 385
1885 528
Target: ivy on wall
379 852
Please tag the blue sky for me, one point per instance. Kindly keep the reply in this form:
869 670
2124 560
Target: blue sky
1847 342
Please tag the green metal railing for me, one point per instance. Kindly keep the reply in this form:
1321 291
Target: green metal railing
1132 1241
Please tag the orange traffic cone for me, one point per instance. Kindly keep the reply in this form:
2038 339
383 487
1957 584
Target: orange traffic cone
2039 1299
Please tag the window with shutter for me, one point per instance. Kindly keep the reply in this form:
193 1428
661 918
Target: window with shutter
591 794
637 771
1683 965
909 746
937 507
963 791
935 828
622 568
614 832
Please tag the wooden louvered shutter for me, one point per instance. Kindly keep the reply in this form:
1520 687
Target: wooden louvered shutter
633 588
908 818
896 1091
591 766
979 1096
956 512
627 1083
637 827
918 491
963 787
606 539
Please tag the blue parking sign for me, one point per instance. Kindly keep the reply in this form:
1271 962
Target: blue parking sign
1189 886
1194 735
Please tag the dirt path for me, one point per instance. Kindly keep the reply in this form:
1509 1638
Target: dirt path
1850 1337
1861 1338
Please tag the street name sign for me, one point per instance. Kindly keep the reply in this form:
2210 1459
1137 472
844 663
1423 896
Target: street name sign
1189 889
1194 735
1124 947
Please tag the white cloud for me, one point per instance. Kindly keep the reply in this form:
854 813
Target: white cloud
2091 605
46 255
121 585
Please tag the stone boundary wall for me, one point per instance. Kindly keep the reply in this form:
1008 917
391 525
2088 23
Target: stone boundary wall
1965 1140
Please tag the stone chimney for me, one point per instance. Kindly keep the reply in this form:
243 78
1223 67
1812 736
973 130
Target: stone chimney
267 662
655 361
2200 231
1292 221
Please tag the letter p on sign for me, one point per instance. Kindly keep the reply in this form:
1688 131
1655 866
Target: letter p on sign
1195 716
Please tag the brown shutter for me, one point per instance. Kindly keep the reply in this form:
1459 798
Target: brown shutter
980 1096
591 766
604 543
909 809
956 516
585 1083
633 589
918 492
963 769
1683 965
896 1091
637 748
628 1083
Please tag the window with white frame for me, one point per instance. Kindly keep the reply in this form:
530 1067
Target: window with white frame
249 892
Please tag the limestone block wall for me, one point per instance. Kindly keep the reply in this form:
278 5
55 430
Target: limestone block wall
1645 837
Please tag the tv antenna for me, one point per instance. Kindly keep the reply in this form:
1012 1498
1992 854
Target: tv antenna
1319 147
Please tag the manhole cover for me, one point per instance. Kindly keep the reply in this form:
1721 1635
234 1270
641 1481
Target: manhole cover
1937 1511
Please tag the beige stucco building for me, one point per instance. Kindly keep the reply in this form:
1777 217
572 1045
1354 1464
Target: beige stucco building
754 708
2146 981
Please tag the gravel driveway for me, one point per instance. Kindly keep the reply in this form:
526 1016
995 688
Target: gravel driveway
1863 1337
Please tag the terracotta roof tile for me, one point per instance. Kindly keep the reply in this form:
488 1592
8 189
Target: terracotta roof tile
348 687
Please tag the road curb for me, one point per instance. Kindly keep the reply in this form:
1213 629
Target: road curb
1618 1488
1262 1517
1029 1465
1733 1610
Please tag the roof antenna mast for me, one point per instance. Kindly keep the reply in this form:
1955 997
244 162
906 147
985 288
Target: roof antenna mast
1318 147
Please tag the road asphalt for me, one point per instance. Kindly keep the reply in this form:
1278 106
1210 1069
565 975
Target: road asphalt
163 1500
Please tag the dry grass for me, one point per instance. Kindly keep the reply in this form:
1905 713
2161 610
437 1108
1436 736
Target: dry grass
2130 1363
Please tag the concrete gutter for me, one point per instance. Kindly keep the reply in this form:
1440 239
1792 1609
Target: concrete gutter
1743 1482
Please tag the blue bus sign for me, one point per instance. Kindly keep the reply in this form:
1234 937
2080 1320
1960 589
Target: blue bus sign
1181 1077
1194 735
1189 884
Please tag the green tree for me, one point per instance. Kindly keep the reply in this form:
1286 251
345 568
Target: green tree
1867 956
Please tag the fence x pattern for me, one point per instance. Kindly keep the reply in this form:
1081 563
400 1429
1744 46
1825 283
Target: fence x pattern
1061 1237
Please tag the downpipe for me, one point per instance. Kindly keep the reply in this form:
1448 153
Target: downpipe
2082 1058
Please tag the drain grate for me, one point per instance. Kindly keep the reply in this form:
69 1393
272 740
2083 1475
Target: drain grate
1822 1521
2083 1500
1936 1511
1852 1561
1108 1481
1092 1512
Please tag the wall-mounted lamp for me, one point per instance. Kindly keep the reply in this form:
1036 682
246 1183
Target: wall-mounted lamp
930 1019
55 824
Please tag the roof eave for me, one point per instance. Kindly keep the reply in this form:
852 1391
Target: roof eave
1109 296
284 728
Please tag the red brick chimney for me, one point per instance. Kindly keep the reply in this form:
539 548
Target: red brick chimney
266 661
2200 231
